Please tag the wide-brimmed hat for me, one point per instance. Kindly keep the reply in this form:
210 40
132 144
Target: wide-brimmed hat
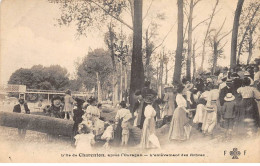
229 97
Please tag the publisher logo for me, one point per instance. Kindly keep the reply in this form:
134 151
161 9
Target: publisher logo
235 153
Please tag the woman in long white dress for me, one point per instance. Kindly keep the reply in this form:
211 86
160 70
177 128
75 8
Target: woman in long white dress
180 127
149 139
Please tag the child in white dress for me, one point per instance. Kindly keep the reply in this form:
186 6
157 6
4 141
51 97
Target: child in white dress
108 134
85 139
200 113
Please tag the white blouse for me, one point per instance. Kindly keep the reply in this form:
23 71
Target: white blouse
181 101
149 112
93 110
247 92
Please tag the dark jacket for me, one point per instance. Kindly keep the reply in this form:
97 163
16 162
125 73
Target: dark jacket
223 92
17 108
139 108
229 110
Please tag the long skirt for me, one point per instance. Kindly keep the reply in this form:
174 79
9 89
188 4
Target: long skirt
178 123
250 111
148 134
210 120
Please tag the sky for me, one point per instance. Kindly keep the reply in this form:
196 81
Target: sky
29 35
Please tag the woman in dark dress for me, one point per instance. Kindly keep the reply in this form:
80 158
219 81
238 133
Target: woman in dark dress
248 114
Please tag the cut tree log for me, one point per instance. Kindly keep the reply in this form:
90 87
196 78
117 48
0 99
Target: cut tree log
38 123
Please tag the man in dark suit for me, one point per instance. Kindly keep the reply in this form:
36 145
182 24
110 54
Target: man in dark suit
22 107
140 104
224 91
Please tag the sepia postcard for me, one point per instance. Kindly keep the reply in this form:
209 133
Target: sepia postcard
129 81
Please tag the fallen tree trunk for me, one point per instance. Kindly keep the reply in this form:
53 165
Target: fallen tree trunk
38 123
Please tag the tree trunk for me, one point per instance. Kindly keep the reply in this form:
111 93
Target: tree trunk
148 57
99 88
114 77
206 36
245 34
121 80
166 73
250 47
194 60
178 56
188 65
125 83
215 56
234 34
160 75
137 70
44 124
157 76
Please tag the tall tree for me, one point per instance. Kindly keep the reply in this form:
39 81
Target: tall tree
137 70
110 39
206 35
215 37
249 21
96 69
178 56
234 33
190 29
38 77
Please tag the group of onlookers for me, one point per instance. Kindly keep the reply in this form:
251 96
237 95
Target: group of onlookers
227 101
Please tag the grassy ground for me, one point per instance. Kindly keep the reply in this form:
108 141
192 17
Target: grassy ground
36 145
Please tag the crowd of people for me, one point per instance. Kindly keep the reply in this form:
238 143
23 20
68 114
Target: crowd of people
229 101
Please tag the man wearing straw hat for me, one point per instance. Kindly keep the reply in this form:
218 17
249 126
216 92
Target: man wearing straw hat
224 91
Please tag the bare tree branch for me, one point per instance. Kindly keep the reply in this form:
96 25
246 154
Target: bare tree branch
225 35
223 45
164 37
195 3
244 35
221 27
253 29
201 23
115 17
148 10
206 36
